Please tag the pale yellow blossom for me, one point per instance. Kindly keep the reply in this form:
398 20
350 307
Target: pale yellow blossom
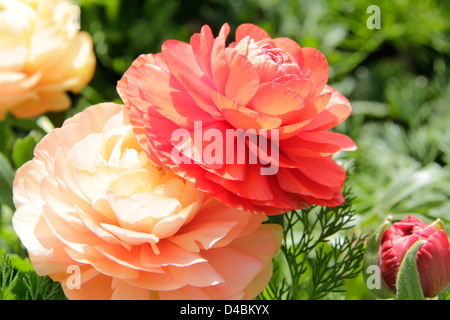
43 55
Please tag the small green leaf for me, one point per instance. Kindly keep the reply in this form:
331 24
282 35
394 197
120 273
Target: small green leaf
22 265
408 280
7 136
6 181
24 147
45 124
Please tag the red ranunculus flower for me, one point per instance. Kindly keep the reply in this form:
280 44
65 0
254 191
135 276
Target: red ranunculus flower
247 123
433 257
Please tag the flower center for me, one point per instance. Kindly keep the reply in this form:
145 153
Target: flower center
277 55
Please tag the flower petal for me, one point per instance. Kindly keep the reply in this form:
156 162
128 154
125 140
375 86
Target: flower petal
315 68
248 29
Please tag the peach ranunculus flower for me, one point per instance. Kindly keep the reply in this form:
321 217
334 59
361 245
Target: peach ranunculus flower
189 95
96 214
42 56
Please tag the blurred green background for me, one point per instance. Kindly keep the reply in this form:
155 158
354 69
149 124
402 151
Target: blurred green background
396 77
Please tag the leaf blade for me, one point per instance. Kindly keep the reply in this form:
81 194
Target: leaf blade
408 280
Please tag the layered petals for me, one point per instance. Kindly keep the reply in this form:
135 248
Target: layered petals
43 55
433 257
228 117
92 202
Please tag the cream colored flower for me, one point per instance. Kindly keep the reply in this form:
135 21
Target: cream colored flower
92 200
42 56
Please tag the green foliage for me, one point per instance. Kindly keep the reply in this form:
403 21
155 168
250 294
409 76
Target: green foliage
9 279
42 288
6 180
445 295
317 255
18 281
408 280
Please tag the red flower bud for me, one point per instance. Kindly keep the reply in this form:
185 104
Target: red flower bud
433 257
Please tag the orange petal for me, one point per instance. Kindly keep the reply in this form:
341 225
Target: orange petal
248 29
243 81
169 254
273 99
322 170
293 180
241 117
341 141
190 275
300 85
184 293
337 110
219 64
246 187
202 44
155 281
183 66
202 236
291 47
165 94
97 288
125 291
315 68
316 144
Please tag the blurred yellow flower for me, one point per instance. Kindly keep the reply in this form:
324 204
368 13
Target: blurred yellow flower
43 54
